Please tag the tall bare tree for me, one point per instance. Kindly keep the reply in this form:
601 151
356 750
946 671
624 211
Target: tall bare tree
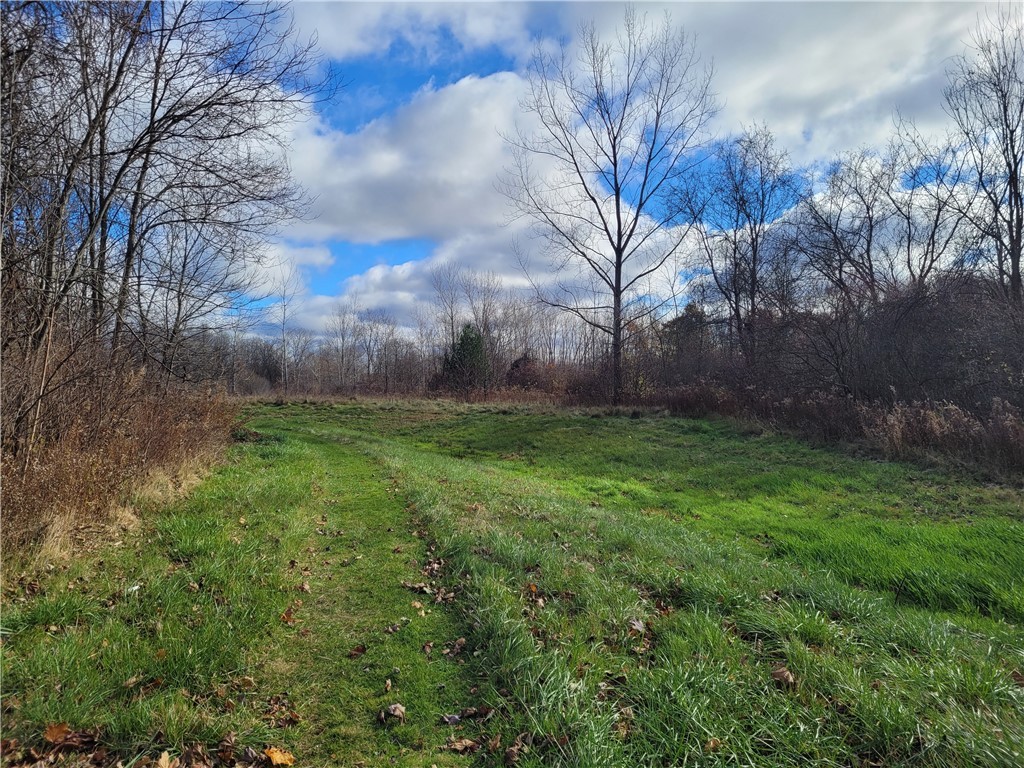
985 99
739 201
616 123
143 166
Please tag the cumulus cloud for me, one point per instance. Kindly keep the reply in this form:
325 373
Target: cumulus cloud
426 170
824 77
348 30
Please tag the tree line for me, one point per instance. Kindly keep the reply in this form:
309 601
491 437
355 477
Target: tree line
145 171
884 275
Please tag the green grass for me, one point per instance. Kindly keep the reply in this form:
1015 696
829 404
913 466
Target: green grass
626 587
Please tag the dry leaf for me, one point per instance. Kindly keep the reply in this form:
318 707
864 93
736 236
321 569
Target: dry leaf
783 678
226 748
359 650
165 761
462 746
396 711
712 745
279 756
387 685
56 733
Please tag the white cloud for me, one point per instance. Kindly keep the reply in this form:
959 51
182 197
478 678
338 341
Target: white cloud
824 77
427 170
348 30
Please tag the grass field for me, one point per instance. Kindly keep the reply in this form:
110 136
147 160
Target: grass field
535 587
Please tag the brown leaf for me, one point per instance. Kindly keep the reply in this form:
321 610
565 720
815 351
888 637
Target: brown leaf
56 733
450 719
1018 678
196 756
494 743
359 650
165 761
392 628
387 685
226 749
396 711
427 648
303 587
279 756
245 683
462 746
712 745
288 617
783 678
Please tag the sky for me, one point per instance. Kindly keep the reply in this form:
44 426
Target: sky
402 162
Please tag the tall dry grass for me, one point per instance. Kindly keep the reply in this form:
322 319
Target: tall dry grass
989 439
78 476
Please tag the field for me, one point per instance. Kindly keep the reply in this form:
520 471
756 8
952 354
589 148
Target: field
534 588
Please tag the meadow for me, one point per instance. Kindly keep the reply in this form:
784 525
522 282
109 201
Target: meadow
428 583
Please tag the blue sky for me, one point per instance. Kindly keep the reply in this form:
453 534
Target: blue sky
404 160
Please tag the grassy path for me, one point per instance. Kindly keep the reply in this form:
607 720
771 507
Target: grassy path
244 609
615 592
359 646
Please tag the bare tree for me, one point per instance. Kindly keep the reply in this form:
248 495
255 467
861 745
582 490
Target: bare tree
287 288
143 166
447 281
739 201
617 124
342 329
985 99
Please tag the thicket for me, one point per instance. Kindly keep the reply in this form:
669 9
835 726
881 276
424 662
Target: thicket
143 166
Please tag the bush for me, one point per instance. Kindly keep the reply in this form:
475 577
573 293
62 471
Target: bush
102 454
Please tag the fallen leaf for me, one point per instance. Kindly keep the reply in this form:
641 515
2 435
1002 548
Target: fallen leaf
1018 678
712 745
387 685
427 648
783 678
279 756
165 761
196 756
450 719
245 683
635 625
396 711
303 587
56 733
359 650
392 628
494 743
226 748
462 746
288 617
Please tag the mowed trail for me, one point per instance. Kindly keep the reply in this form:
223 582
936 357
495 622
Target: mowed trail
357 643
